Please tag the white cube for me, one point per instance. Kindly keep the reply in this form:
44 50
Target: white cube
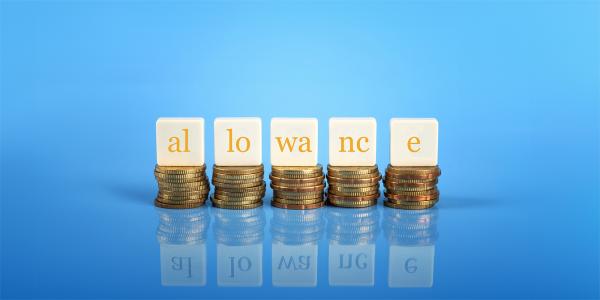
413 142
180 141
238 141
294 141
352 141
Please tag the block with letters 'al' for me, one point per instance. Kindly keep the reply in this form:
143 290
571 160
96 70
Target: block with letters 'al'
294 141
413 142
180 141
238 141
352 141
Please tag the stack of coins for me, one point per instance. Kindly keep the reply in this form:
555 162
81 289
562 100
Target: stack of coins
181 187
297 187
239 187
353 186
411 187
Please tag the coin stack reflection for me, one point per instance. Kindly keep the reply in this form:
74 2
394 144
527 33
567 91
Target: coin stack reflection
411 235
409 187
182 236
297 187
239 236
181 187
353 186
293 227
238 187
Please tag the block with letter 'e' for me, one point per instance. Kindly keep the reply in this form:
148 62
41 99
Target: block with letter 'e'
352 141
180 141
294 141
413 142
238 141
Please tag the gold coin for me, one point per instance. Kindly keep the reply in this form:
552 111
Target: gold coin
237 189
298 189
298 206
343 189
185 205
428 202
234 206
236 182
170 198
415 193
413 172
338 180
352 194
360 198
160 176
239 194
428 197
395 180
238 185
296 201
240 202
353 176
296 181
181 180
409 207
353 204
414 186
180 169
182 193
355 170
239 170
297 195
238 176
297 170
353 185
237 199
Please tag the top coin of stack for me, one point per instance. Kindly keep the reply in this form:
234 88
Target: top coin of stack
238 187
297 187
411 187
353 186
181 187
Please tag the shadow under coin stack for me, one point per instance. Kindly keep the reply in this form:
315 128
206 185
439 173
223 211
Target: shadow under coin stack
238 187
353 186
411 187
297 187
181 187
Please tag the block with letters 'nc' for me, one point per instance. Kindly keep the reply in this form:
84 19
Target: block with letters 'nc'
413 142
180 141
352 141
294 141
238 141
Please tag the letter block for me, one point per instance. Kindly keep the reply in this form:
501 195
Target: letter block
180 141
413 142
238 141
352 141
294 141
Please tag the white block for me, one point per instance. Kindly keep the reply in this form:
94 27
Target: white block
238 141
180 141
294 141
413 142
352 141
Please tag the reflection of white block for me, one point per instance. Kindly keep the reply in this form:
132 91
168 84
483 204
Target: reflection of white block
294 141
413 142
411 266
352 265
239 265
180 141
183 265
352 141
238 141
294 265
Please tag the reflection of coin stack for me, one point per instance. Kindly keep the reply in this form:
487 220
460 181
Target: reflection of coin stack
297 227
182 226
297 187
410 228
238 228
181 187
239 187
411 187
352 227
353 186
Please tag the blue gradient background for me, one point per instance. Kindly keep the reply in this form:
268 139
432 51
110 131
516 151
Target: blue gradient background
514 85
